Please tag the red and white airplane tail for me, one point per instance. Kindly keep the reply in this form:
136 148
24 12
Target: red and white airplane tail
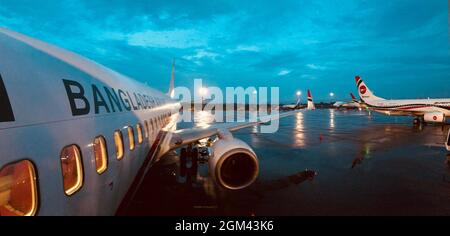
311 105
364 92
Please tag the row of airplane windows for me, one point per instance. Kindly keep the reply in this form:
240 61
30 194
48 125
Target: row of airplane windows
18 181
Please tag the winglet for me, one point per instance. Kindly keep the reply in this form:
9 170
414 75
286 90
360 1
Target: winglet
171 92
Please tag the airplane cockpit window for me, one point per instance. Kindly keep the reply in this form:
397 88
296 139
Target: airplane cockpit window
72 169
100 154
118 139
18 189
131 137
139 132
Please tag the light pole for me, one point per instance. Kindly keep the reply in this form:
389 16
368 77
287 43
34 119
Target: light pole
299 93
331 96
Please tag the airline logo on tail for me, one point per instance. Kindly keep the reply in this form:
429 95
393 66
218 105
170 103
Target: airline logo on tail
362 88
6 112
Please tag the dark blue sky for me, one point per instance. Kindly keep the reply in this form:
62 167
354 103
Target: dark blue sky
400 47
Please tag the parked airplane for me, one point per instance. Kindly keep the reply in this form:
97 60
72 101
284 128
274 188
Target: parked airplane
77 138
427 110
311 105
354 104
292 106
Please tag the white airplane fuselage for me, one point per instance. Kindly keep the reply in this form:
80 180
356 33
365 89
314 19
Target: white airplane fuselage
415 107
57 98
430 110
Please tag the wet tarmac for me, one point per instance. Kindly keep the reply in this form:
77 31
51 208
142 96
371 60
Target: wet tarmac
323 162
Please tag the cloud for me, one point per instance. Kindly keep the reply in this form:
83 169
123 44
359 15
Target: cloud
315 67
201 54
284 72
244 48
179 38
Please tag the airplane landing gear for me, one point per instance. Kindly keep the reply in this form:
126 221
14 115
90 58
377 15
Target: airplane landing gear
418 121
190 158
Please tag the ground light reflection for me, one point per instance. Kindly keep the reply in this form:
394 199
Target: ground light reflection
332 124
299 130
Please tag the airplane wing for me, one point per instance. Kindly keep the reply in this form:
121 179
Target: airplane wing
187 136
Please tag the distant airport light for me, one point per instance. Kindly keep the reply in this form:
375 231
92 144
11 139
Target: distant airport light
203 91
331 94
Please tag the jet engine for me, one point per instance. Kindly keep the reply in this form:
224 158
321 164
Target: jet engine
434 117
233 164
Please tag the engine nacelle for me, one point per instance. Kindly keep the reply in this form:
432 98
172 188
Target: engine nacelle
434 117
233 164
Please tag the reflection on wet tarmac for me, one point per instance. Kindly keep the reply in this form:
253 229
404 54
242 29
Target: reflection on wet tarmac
396 169
299 131
332 119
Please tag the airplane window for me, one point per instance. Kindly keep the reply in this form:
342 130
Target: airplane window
139 133
72 169
100 154
119 144
18 191
146 129
152 122
131 137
